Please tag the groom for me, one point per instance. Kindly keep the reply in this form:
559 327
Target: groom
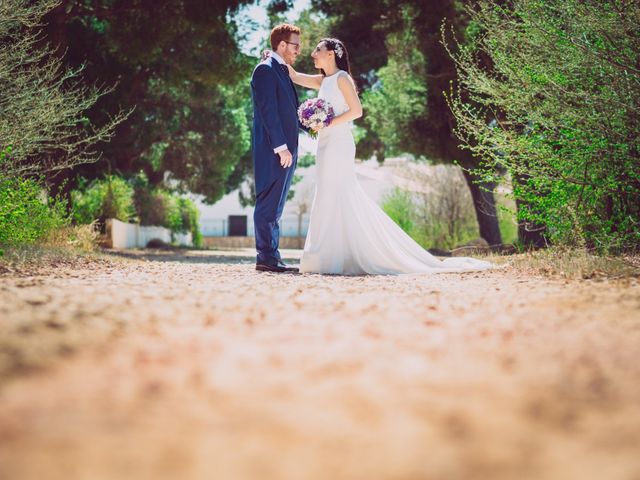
275 143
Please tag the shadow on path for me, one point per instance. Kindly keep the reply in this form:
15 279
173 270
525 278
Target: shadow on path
245 256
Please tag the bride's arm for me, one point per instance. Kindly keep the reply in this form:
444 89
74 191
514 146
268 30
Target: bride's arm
309 81
348 89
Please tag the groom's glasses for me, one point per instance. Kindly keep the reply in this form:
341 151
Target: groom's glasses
296 47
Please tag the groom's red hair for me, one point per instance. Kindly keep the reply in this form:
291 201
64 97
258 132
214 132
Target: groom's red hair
282 33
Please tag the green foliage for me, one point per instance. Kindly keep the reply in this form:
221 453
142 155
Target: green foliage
400 64
558 83
172 213
399 206
399 95
179 65
178 214
190 219
507 218
306 160
26 214
210 144
5 154
314 26
360 26
111 197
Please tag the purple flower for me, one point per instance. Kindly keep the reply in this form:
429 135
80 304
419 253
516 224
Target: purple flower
318 108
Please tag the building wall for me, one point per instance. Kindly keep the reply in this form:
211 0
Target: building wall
375 179
131 235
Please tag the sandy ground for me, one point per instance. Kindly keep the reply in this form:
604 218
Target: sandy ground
195 366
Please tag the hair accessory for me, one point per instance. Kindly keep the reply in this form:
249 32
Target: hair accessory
338 49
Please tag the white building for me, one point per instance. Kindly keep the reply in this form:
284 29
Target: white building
228 217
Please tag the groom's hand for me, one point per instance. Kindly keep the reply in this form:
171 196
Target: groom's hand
286 159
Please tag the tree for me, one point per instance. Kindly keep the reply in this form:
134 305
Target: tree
178 65
43 127
396 47
561 79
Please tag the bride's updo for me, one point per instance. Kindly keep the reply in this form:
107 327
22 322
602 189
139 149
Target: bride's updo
342 56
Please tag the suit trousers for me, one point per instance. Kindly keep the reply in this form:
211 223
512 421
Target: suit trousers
266 217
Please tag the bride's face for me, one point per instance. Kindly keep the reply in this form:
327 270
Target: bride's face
322 58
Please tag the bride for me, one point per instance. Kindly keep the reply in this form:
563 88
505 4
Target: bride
349 234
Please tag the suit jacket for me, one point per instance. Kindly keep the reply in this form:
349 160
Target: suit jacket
275 121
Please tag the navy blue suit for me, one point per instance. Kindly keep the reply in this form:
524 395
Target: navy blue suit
275 123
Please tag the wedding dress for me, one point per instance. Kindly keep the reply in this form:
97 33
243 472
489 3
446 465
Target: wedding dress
349 234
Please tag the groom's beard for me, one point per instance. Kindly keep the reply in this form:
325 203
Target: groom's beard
289 58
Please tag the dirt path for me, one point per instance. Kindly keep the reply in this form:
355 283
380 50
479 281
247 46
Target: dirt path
197 367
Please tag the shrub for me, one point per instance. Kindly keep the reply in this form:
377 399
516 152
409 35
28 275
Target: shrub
438 211
190 219
26 213
398 204
554 95
77 237
181 215
159 207
150 206
111 197
115 197
173 215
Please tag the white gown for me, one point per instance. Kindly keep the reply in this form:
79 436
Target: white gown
349 234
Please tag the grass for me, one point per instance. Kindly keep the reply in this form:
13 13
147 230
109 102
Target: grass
29 259
575 264
67 246
558 262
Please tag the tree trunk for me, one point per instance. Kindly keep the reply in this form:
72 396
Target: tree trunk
485 206
531 235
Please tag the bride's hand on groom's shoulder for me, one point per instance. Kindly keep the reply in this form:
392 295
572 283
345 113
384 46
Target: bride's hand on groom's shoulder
264 55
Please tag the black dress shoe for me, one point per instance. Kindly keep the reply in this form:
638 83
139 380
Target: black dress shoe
287 268
278 268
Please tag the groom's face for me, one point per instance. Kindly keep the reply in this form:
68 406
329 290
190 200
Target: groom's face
292 49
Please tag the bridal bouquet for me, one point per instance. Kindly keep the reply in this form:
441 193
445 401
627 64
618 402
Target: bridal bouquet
314 113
